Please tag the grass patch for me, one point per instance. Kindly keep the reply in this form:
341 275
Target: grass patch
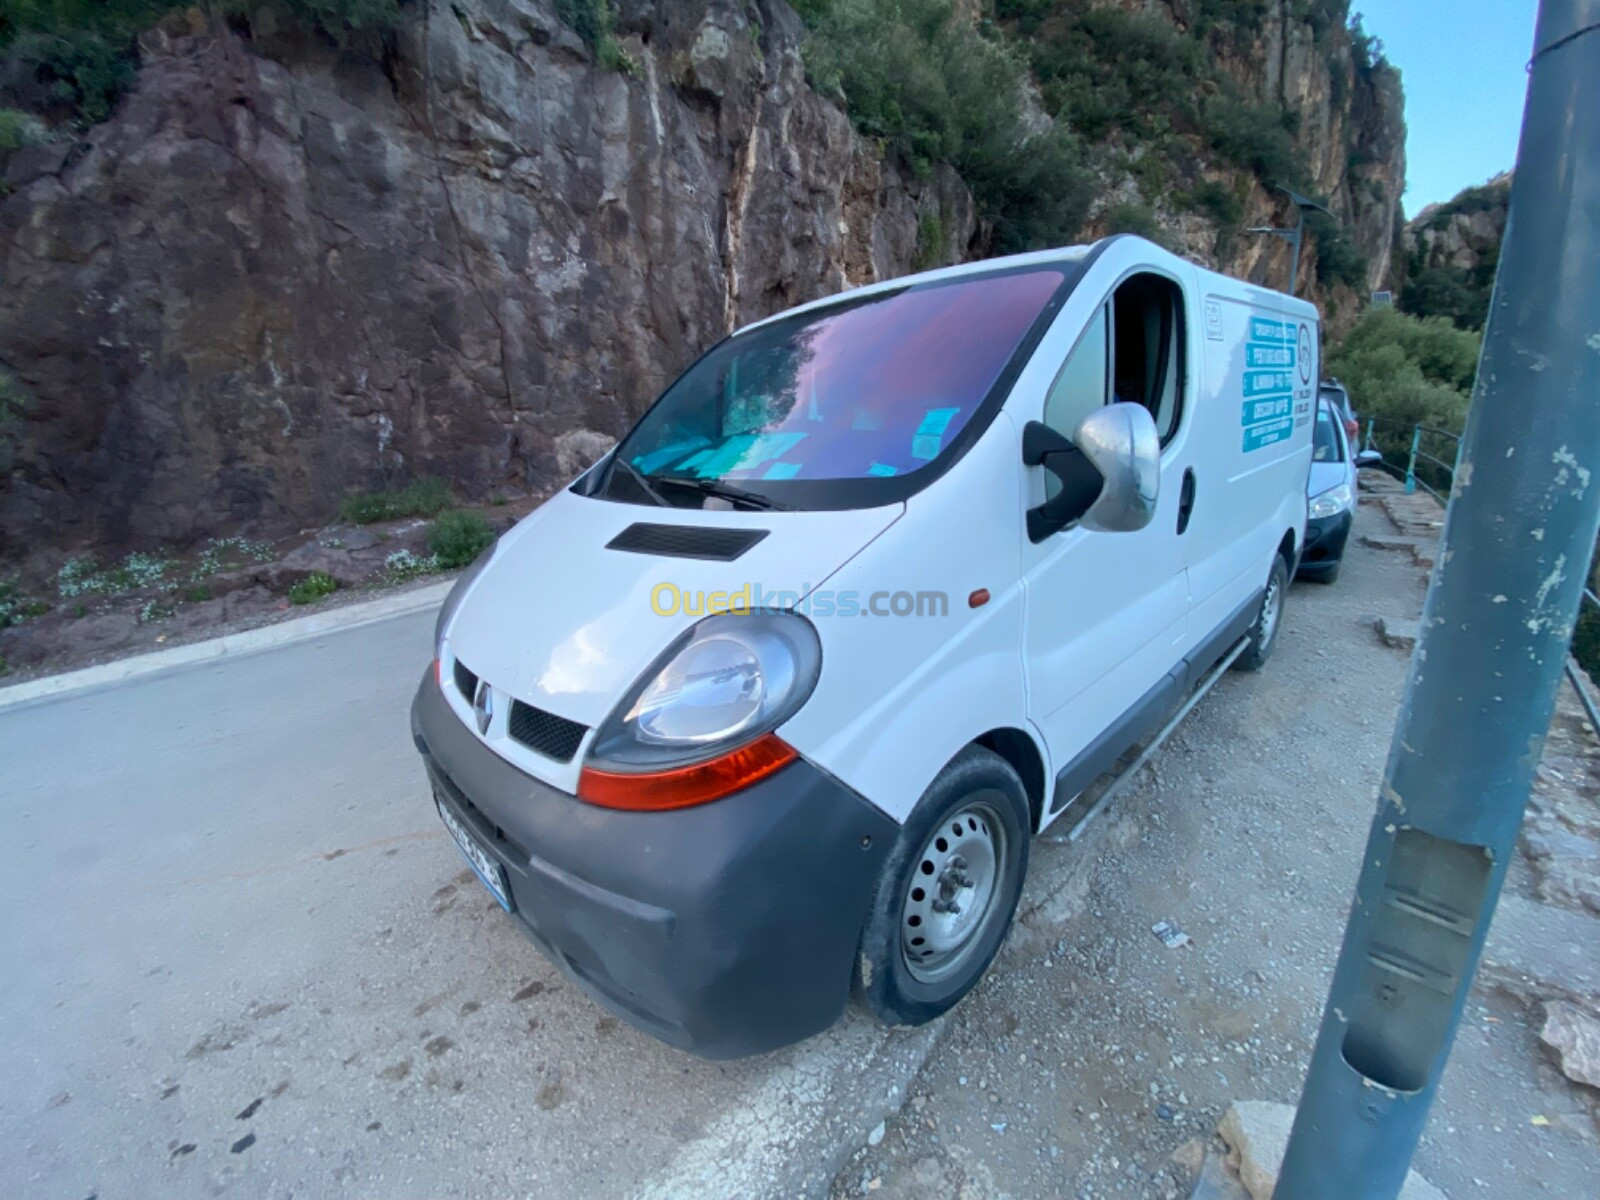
84 576
313 587
426 497
15 608
155 610
457 538
228 554
403 565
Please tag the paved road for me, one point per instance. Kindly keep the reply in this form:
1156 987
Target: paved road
241 958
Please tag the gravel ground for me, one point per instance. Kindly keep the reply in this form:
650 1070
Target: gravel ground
1093 1052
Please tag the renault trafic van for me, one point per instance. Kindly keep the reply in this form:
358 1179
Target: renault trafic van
763 709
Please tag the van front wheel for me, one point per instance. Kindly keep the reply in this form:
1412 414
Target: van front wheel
1264 633
948 891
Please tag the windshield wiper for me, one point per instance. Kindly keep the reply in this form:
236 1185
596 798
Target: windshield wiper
638 477
723 490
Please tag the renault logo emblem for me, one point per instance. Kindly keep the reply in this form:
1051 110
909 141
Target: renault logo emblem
483 705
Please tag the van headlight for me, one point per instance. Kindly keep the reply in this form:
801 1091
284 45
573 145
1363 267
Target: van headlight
699 723
1331 502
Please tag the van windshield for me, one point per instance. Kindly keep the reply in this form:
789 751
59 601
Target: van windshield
839 402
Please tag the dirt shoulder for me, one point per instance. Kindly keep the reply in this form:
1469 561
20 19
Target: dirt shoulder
74 611
1093 1052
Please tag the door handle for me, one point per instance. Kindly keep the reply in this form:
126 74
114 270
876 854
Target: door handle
1186 500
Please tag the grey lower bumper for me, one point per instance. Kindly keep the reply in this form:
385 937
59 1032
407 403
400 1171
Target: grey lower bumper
726 929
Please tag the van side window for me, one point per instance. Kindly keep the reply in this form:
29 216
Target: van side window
1080 387
1147 349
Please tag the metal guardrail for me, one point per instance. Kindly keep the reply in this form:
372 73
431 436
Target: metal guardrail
1413 481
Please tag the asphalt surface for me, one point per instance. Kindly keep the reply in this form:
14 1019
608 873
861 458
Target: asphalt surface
241 958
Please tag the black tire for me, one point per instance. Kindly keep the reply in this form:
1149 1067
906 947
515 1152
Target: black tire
1264 630
976 786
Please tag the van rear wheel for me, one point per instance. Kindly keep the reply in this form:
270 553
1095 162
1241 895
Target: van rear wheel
1264 632
948 891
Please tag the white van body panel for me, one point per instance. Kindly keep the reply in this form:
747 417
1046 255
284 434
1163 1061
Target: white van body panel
1107 613
1249 335
574 642
900 696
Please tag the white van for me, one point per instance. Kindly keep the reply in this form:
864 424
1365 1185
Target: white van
765 707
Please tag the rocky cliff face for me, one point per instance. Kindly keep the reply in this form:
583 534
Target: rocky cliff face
279 272
1350 118
1464 233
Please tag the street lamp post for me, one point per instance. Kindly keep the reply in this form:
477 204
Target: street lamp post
1295 236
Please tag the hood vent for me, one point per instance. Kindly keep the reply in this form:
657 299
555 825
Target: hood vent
686 541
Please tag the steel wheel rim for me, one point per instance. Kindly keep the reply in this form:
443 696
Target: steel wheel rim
960 867
1271 607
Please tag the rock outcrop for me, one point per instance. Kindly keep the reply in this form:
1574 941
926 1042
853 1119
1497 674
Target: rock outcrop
1463 234
1351 131
280 272
475 250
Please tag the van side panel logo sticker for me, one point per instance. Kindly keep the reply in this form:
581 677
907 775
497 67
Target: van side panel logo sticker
1269 358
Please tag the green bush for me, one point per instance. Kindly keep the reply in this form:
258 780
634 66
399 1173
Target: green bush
457 538
1338 260
312 588
1457 293
15 608
924 80
19 129
426 497
1139 219
1405 370
930 242
1108 71
1215 200
1257 137
83 53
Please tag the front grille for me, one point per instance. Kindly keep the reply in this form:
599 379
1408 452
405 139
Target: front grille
544 732
466 681
686 541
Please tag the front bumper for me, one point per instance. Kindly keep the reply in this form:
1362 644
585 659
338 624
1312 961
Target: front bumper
1325 541
726 929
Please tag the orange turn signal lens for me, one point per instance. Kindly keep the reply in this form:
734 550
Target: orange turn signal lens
682 787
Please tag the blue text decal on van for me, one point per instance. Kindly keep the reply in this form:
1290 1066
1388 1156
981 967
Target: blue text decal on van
1268 411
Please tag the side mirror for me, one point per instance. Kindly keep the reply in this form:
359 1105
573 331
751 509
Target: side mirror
1110 473
1120 441
1368 458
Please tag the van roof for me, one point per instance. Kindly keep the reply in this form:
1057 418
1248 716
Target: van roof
1129 244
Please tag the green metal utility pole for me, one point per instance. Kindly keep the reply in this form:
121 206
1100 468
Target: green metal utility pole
1517 542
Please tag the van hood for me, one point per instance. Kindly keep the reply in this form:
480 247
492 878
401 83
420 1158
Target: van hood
562 622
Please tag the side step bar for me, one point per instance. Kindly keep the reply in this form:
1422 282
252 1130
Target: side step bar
1118 781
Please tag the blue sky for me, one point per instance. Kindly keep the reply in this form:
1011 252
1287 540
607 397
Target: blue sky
1464 63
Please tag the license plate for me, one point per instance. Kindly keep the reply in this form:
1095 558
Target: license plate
479 859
